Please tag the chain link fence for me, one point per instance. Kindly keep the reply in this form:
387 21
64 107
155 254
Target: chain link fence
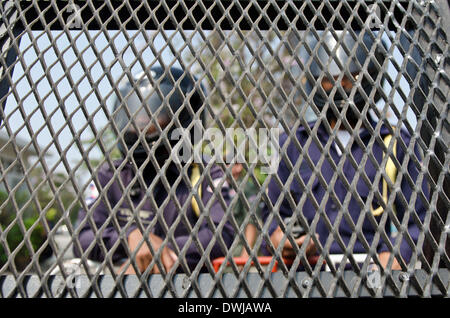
73 193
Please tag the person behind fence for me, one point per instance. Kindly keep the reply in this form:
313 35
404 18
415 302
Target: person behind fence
329 195
144 193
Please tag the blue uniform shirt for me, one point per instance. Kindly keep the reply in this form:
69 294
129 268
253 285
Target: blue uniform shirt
112 198
305 193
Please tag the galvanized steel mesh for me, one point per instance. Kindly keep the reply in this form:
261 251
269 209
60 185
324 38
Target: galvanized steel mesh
62 63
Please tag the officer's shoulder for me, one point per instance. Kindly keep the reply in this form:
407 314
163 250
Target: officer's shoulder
300 133
106 170
215 171
404 134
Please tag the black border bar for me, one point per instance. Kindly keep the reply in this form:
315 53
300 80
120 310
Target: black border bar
210 14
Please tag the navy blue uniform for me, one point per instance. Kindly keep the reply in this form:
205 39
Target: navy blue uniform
313 192
168 212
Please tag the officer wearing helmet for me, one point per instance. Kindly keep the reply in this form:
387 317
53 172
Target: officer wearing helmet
136 188
343 82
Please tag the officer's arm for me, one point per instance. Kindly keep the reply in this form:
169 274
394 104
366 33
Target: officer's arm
143 253
92 241
413 229
98 235
384 260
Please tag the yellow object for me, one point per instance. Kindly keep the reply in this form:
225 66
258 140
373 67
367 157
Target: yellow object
195 177
391 171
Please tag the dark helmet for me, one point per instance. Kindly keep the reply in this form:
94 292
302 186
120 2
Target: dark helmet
143 111
337 54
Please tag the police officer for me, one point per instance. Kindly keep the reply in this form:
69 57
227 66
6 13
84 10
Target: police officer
342 90
133 196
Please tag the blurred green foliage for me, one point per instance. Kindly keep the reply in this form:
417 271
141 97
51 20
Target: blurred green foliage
21 225
21 230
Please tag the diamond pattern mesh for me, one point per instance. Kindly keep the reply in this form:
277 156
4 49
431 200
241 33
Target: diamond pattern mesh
62 66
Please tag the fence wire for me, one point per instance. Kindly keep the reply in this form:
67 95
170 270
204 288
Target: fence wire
248 77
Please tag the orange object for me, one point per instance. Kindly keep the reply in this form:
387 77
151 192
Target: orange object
263 260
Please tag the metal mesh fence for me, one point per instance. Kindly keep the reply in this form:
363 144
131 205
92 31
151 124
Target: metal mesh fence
275 142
